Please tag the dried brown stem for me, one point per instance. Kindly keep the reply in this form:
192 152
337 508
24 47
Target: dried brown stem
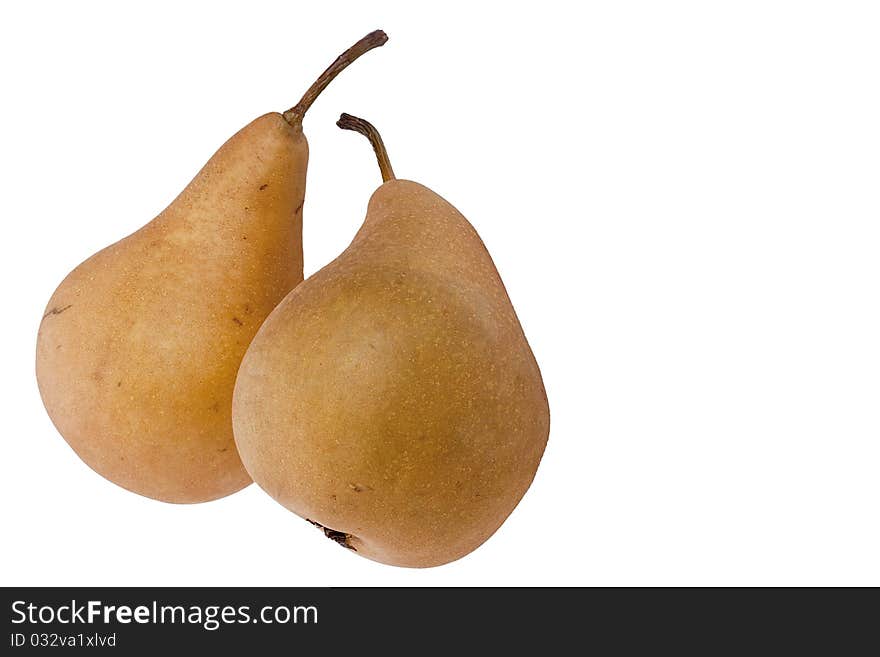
294 115
349 122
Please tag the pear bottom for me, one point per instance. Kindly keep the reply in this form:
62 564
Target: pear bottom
405 456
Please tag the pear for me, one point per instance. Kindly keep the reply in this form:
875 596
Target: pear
139 347
392 398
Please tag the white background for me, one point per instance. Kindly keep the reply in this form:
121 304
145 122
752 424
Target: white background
683 199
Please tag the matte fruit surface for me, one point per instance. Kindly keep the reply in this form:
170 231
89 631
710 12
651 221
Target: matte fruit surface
392 397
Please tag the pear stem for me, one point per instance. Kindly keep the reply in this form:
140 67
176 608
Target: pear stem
349 122
294 115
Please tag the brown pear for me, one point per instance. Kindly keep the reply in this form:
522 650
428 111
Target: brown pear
139 347
392 398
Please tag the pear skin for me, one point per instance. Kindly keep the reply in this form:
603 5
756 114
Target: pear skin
392 398
139 347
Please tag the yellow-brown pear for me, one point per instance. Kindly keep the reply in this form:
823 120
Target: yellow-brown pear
140 344
392 398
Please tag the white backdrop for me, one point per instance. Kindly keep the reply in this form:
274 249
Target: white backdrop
683 199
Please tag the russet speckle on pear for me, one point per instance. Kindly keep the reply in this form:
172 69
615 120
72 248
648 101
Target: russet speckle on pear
392 398
139 347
